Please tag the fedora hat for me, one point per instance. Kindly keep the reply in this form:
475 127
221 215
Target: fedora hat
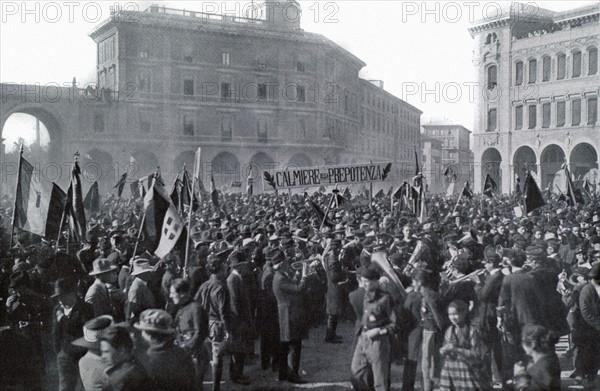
155 321
140 266
20 278
102 265
91 332
64 286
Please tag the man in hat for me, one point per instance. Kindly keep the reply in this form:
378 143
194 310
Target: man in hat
371 359
292 325
123 371
70 315
266 321
91 366
87 254
170 367
336 293
488 292
139 297
213 296
104 294
589 304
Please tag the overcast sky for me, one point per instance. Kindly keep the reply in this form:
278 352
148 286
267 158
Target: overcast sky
408 45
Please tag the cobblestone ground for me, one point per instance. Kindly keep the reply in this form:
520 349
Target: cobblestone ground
326 367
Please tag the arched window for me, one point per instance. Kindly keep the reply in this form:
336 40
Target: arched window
532 71
518 73
492 77
561 66
576 63
546 68
592 61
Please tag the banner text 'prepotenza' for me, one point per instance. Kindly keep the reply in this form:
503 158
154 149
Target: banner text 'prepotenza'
324 176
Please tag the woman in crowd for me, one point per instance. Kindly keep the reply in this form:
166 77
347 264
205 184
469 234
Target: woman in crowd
543 371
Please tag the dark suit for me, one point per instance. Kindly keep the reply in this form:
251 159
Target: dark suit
241 323
356 298
589 304
105 302
292 325
266 321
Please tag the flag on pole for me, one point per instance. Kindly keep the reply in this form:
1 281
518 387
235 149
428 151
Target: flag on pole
135 188
74 209
163 226
120 185
320 214
422 206
347 193
450 189
91 203
532 198
572 198
466 191
417 170
175 193
489 187
39 203
214 194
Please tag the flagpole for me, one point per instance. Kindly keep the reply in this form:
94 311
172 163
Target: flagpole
327 212
189 225
60 227
12 228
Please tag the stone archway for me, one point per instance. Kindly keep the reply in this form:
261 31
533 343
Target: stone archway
551 160
524 160
186 158
490 164
225 169
144 163
583 159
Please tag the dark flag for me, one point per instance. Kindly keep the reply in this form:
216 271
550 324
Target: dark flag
532 198
572 198
91 203
489 187
347 194
186 189
213 192
135 189
39 204
120 185
175 194
518 192
402 195
74 208
417 170
466 191
320 214
380 194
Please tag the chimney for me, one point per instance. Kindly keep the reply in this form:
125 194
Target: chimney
285 14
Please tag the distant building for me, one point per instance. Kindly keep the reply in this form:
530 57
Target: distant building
432 164
457 156
537 107
259 93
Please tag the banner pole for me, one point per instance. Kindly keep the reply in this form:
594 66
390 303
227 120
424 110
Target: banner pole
12 228
327 212
189 225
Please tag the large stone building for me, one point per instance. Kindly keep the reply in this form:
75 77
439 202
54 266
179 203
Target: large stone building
457 156
538 106
258 93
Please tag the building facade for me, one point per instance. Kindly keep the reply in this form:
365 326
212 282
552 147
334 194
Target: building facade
432 164
538 107
457 156
252 93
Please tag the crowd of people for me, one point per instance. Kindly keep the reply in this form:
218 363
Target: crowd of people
473 295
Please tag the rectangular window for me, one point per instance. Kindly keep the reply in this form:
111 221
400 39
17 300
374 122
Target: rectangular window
262 91
300 66
593 61
188 125
144 83
560 114
519 73
492 77
225 91
491 120
561 66
532 71
546 115
592 109
188 54
576 64
144 52
188 87
575 112
546 68
532 117
300 94
226 128
301 128
519 117
225 59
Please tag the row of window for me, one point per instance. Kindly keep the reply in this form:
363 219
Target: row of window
560 71
560 107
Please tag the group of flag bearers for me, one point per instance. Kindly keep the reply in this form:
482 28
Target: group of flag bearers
44 210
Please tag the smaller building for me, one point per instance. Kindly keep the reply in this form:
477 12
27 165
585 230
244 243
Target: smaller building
432 164
457 156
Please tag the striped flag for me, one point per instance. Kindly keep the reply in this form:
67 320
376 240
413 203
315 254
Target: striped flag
39 203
